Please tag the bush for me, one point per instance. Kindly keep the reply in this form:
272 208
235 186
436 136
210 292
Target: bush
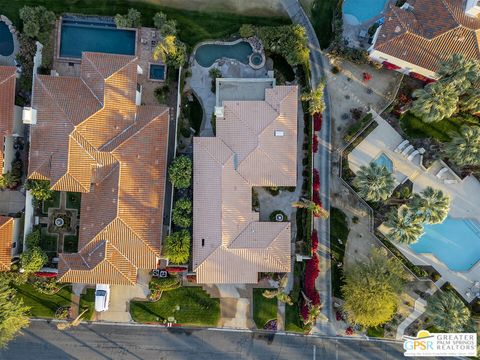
317 122
180 172
316 180
166 27
33 260
182 213
46 286
133 19
157 285
214 74
315 144
357 126
37 22
177 247
33 239
40 189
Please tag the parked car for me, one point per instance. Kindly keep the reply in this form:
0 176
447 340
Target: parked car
102 297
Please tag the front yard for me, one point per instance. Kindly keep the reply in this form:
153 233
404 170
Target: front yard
42 305
187 305
263 309
87 301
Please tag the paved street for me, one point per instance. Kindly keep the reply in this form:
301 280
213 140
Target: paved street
322 163
119 342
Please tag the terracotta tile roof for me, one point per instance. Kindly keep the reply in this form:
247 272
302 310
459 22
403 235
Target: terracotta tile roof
7 103
433 31
230 244
90 137
6 233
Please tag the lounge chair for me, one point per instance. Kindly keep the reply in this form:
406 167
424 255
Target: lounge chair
407 150
413 154
401 146
450 181
441 172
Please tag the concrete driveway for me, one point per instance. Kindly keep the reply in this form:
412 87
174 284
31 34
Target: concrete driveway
120 297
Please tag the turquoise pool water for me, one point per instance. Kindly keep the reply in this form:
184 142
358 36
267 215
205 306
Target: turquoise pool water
77 37
384 160
363 10
455 242
6 40
157 72
207 54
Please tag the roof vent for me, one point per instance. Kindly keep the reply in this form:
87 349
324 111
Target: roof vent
397 29
407 7
279 133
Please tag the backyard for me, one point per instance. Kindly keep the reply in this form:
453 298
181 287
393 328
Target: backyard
42 305
187 305
193 26
263 309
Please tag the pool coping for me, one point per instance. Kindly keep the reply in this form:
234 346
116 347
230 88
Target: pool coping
58 40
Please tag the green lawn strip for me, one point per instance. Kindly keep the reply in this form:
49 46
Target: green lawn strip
196 308
194 26
322 17
338 230
87 301
41 305
416 128
53 202
70 243
73 200
263 309
292 319
48 242
378 332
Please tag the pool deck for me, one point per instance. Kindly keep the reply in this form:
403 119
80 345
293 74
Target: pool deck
146 41
464 193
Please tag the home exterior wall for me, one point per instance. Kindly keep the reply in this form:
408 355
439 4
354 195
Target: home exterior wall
405 66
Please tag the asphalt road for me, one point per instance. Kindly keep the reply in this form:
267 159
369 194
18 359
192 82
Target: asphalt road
90 342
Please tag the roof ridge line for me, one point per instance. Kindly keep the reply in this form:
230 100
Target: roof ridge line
115 267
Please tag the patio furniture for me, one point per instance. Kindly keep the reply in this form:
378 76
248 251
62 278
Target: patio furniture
407 150
450 181
412 155
441 172
401 146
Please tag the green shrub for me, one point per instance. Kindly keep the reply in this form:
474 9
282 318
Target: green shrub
133 19
40 189
180 172
177 247
356 127
157 285
33 260
182 213
33 239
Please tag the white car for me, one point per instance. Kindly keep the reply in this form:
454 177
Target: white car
102 297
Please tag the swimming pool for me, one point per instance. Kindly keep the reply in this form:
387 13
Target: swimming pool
384 160
362 10
157 72
6 40
207 54
455 242
80 36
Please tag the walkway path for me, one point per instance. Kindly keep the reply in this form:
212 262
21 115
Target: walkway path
321 162
418 309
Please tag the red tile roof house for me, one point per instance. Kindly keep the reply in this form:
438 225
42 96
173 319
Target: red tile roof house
91 135
255 145
10 126
415 37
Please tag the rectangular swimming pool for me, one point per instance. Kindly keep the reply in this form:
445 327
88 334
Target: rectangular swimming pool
79 36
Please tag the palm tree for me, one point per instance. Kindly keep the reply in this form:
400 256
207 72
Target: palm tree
435 101
374 182
279 293
431 206
464 148
469 102
448 313
404 227
457 68
316 209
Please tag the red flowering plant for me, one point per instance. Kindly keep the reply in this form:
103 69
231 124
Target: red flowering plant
314 241
317 121
315 144
316 180
176 269
367 76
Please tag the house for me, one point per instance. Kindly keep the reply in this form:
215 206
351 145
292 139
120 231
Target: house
90 135
10 127
416 36
255 145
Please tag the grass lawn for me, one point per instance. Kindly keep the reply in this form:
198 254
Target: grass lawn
70 243
322 17
48 242
41 305
87 301
263 309
378 332
73 200
53 202
338 230
292 319
193 26
196 308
